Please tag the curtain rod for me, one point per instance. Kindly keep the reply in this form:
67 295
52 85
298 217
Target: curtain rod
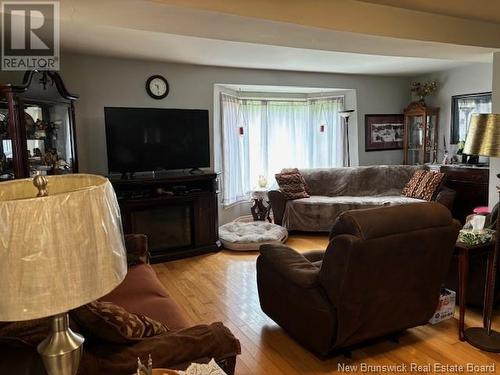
283 99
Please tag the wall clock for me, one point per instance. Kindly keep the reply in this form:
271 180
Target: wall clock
157 87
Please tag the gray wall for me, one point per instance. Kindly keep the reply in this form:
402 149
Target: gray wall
469 79
105 81
102 81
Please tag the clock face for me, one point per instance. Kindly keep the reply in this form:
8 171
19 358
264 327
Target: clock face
157 87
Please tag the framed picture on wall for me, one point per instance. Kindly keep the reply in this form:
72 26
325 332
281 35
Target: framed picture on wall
384 132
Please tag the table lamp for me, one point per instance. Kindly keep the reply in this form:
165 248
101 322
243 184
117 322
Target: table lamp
483 138
61 245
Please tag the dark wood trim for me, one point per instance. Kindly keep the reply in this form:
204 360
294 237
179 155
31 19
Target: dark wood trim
61 88
454 136
72 130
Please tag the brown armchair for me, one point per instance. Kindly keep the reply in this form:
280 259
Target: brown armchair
381 274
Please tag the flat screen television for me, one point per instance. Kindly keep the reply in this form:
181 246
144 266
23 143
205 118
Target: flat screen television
151 139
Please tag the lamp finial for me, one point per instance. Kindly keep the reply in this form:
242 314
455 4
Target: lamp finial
40 183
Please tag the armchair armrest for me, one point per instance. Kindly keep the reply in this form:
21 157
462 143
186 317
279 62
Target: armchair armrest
278 202
290 264
137 248
175 349
446 197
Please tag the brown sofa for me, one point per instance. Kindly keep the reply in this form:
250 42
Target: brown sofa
335 190
380 274
141 292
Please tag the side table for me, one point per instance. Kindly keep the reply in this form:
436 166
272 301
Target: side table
464 252
261 208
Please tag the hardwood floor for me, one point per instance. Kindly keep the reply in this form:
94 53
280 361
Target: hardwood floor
222 287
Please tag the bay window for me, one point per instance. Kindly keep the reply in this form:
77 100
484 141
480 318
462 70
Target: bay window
261 137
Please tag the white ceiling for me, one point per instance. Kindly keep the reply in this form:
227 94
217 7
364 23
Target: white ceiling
151 30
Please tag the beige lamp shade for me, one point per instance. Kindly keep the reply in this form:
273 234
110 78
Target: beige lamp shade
483 136
60 251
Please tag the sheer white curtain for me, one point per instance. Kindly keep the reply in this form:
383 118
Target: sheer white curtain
276 135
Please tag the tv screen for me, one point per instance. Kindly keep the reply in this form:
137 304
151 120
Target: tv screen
147 139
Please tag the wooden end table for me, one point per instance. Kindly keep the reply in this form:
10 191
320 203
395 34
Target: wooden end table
464 252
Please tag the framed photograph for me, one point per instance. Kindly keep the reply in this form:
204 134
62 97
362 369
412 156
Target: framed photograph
384 132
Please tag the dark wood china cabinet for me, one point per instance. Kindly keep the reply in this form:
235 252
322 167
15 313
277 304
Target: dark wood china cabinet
37 127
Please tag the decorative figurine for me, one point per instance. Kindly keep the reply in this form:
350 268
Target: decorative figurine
50 158
143 369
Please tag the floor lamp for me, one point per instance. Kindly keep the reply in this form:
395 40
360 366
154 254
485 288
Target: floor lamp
345 115
483 138
61 247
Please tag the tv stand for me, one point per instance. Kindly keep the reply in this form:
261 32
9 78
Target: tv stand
178 213
127 175
196 171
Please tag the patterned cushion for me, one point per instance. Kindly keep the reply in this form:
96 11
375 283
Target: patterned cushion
424 185
296 170
411 186
291 185
113 323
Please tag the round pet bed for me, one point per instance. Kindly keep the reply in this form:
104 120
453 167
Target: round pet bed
249 236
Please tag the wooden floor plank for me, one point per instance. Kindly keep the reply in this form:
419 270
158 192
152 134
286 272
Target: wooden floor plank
222 287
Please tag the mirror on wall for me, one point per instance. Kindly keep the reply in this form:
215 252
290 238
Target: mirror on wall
462 107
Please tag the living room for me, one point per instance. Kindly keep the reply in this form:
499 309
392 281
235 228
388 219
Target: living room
325 82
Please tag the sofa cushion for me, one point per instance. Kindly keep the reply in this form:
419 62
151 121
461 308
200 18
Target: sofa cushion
296 170
113 323
412 185
142 293
318 213
424 185
292 185
429 186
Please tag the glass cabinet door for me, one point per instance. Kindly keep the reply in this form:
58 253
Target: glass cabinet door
6 152
50 150
415 139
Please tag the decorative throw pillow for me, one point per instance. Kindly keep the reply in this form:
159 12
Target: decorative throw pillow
296 170
429 185
411 186
424 185
113 323
291 185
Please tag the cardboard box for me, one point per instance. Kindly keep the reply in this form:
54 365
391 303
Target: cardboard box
446 306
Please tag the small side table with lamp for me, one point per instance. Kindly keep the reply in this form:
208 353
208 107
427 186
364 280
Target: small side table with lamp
483 138
62 247
261 208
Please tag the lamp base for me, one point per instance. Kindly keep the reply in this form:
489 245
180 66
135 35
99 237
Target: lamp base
62 349
479 338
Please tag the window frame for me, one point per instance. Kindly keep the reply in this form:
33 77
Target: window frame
455 125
